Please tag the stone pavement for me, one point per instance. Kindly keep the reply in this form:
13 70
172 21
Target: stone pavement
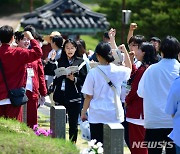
12 20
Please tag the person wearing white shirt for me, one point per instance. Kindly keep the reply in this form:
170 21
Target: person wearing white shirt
56 44
99 95
154 88
173 108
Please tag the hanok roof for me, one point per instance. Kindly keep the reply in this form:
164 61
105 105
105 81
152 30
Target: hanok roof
66 16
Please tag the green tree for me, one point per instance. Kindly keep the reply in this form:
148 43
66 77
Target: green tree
154 18
13 6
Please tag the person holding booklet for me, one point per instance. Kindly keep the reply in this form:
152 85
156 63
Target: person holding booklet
67 87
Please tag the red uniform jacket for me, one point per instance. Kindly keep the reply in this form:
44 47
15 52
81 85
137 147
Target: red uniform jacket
134 102
14 62
38 81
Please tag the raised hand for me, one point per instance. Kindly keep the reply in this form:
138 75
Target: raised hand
112 33
133 26
28 35
53 55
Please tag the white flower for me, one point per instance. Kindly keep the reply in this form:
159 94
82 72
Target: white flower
95 146
92 142
100 150
99 144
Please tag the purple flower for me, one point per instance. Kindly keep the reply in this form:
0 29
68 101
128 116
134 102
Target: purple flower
35 127
41 131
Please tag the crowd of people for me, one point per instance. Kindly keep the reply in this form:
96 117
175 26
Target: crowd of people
137 88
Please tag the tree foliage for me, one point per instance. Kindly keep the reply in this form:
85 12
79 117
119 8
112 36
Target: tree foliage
13 6
154 18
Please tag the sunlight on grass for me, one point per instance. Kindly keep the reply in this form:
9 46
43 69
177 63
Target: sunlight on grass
91 42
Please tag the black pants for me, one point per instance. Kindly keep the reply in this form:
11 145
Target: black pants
126 128
73 110
97 132
160 135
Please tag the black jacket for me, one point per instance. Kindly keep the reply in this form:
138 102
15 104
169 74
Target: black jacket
72 91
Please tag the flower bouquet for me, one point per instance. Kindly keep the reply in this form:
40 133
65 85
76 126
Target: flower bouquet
41 131
94 148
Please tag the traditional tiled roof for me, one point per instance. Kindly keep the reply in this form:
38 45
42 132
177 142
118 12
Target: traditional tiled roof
66 16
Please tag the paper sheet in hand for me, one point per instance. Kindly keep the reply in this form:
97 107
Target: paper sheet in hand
66 71
118 56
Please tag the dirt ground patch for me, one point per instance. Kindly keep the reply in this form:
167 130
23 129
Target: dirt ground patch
12 20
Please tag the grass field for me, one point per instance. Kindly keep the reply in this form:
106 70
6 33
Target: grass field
91 42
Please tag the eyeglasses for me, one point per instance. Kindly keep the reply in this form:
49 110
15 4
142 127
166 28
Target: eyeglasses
132 45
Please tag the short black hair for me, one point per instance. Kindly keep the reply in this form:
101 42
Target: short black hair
155 39
106 35
170 47
138 39
18 35
31 29
6 34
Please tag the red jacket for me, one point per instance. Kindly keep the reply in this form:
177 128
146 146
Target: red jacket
14 61
38 80
134 102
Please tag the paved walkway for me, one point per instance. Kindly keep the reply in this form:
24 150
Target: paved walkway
12 20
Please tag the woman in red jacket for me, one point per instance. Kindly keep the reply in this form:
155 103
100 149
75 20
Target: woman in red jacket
35 82
134 115
14 61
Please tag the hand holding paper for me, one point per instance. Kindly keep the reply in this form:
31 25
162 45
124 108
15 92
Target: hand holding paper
66 71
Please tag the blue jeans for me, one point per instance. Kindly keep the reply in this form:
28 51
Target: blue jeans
177 149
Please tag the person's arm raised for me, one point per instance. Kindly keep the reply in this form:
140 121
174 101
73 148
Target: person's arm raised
132 27
28 35
112 34
29 55
127 60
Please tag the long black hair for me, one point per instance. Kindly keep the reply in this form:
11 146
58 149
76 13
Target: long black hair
150 56
63 55
58 40
104 50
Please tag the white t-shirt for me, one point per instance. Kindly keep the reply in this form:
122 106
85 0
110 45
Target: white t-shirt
102 107
154 88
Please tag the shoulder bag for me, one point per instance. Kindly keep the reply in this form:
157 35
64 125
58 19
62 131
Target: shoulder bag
117 102
17 96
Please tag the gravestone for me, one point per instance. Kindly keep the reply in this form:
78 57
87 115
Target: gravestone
58 121
113 138
25 113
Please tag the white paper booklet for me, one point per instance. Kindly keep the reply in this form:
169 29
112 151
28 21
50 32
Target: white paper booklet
66 71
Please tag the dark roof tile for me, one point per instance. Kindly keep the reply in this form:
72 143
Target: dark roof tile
66 14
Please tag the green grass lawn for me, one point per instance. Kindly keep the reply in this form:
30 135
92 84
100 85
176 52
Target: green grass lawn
91 42
16 137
